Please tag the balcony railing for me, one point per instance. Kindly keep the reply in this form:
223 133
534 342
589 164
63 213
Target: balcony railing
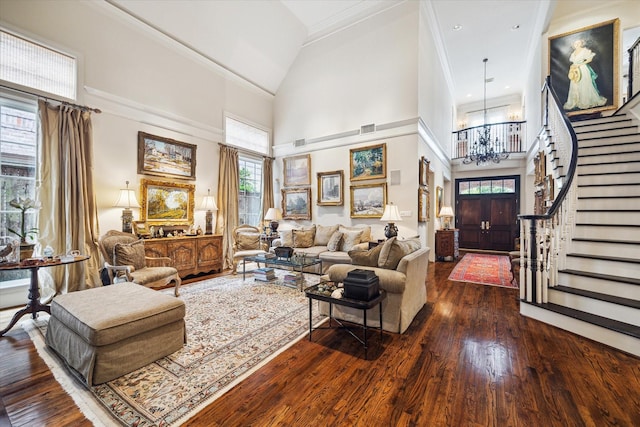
505 137
634 69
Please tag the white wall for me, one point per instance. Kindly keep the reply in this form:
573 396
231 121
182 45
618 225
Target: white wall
142 82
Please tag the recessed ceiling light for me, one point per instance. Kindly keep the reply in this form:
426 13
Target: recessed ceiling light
468 95
507 87
457 27
515 27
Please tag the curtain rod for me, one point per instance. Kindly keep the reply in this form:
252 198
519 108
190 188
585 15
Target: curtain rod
46 98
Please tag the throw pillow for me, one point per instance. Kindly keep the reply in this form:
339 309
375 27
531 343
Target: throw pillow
323 234
247 240
367 258
130 254
286 237
350 239
366 232
303 238
393 250
334 241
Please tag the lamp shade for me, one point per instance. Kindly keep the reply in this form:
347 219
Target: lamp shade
391 214
208 203
127 199
445 211
273 214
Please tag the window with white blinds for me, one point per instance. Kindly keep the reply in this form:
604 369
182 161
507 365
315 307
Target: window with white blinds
36 66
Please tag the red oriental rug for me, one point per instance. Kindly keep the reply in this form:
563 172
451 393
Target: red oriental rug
484 269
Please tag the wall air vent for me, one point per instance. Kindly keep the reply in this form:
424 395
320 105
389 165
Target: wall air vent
367 128
299 142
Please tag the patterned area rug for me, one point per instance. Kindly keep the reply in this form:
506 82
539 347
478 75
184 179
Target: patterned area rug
233 328
484 269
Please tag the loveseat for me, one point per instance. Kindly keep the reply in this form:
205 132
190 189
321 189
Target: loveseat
401 266
330 243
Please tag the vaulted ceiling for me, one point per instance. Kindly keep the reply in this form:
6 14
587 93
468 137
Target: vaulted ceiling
259 40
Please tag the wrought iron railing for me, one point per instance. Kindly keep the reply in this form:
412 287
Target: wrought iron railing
544 238
634 69
506 137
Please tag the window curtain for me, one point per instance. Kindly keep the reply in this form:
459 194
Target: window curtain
68 217
267 185
228 190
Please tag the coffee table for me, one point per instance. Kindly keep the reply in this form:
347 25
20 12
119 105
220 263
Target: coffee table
294 264
322 292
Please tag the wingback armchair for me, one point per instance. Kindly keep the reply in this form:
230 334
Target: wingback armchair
246 242
125 260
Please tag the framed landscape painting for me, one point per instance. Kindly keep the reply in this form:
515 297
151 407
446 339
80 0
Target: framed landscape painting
166 157
330 188
423 204
583 65
296 203
166 203
297 170
368 201
368 162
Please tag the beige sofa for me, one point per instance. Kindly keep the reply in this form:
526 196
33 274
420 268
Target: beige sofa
404 284
330 243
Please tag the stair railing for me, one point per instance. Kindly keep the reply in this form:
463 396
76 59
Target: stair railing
544 239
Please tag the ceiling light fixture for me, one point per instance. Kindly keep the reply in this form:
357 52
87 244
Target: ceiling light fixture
483 150
457 27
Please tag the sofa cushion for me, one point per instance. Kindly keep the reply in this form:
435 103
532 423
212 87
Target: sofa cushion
336 257
334 242
311 252
350 239
130 254
393 250
247 240
366 232
368 258
323 234
303 238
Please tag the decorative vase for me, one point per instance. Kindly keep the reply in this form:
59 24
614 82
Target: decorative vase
26 250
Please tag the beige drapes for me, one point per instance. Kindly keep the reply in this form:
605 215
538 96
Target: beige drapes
267 185
228 190
68 217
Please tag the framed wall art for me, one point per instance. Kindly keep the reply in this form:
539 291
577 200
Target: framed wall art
423 204
540 167
297 170
368 201
583 65
166 157
296 203
368 162
330 188
439 196
166 203
423 169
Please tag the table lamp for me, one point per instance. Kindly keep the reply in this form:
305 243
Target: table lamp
273 215
127 200
391 215
209 205
447 213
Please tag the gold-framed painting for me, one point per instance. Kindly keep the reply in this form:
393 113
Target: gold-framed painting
166 157
330 188
296 203
368 162
368 200
439 200
166 203
297 170
583 65
423 170
423 204
540 168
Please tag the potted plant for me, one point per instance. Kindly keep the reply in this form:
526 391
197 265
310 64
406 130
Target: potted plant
24 205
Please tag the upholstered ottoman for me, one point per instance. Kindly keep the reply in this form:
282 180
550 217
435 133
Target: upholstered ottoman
104 333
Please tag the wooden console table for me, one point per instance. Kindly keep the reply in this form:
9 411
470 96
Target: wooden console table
447 244
189 254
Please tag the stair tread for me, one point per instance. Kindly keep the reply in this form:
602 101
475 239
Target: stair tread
627 302
614 325
608 137
622 242
609 277
605 258
584 224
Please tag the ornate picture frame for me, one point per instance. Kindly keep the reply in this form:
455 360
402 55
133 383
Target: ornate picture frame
330 188
166 157
368 201
297 170
439 200
166 203
423 172
423 204
368 162
583 65
296 203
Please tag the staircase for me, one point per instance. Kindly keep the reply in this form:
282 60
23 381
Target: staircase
598 288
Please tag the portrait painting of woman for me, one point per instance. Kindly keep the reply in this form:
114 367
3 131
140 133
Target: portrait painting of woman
583 90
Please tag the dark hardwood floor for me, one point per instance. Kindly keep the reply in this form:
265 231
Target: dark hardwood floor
468 359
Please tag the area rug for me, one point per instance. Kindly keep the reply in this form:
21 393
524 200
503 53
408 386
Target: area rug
484 269
233 328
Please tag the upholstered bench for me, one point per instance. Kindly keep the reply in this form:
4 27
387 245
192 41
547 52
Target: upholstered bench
104 333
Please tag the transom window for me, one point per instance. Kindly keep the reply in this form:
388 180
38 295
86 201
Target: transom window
488 186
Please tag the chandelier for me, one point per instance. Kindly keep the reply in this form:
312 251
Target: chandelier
483 150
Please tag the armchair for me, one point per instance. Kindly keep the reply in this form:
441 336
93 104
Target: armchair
125 260
246 242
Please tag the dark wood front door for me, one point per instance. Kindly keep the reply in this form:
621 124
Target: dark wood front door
487 221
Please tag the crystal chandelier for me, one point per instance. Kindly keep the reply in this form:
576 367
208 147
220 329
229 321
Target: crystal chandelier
483 151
